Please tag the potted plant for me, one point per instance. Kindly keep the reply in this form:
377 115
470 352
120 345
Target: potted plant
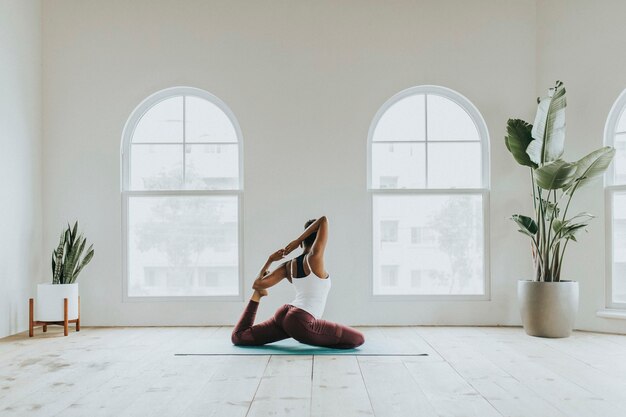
548 304
67 262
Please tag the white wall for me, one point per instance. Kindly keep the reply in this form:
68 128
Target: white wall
20 160
582 44
304 79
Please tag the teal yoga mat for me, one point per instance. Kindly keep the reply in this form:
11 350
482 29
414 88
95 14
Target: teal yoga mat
292 347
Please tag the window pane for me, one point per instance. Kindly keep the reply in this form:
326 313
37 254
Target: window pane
619 248
205 122
439 247
212 167
156 167
398 165
454 165
183 246
620 159
449 121
163 122
404 120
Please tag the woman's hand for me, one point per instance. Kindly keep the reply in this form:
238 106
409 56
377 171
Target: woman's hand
291 246
278 255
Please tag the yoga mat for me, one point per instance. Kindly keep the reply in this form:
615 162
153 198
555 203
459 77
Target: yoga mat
291 347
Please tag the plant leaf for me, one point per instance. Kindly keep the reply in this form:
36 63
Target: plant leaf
567 229
555 175
85 261
66 258
570 231
73 257
58 253
68 239
517 140
552 209
527 225
525 232
584 214
81 248
548 130
591 166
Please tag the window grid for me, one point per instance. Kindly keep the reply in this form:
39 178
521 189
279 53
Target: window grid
178 143
184 184
482 191
426 142
128 192
183 144
615 186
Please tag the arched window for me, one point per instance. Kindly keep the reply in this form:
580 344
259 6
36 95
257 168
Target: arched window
615 135
429 179
181 187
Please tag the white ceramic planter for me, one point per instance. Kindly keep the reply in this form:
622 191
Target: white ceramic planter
49 305
548 309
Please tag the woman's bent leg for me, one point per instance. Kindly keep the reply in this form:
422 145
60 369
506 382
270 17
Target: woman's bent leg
305 328
247 334
350 338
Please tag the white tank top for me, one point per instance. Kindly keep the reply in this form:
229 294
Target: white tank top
311 292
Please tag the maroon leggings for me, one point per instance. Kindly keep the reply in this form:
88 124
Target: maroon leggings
290 321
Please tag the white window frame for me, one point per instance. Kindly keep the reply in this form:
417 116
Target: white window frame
610 188
483 133
127 134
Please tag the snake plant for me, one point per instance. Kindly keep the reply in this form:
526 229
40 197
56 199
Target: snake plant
554 182
66 258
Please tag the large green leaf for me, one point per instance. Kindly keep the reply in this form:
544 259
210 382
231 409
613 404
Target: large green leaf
555 175
591 167
517 140
548 130
567 229
527 225
74 230
80 252
58 266
73 258
84 262
570 231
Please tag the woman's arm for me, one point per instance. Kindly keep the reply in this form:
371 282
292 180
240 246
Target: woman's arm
319 246
265 279
321 227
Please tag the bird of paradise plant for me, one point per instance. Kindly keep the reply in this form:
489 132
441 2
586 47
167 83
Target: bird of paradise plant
554 182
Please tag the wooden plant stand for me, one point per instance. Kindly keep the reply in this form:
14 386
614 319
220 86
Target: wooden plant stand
65 323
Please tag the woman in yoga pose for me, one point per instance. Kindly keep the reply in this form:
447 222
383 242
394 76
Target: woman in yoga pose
301 319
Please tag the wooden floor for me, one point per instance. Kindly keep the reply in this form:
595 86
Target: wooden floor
481 372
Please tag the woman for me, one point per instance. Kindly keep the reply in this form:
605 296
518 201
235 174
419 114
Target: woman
301 319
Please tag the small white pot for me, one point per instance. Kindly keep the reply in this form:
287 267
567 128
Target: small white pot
49 305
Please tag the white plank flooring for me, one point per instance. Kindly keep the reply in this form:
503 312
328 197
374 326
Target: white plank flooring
470 371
